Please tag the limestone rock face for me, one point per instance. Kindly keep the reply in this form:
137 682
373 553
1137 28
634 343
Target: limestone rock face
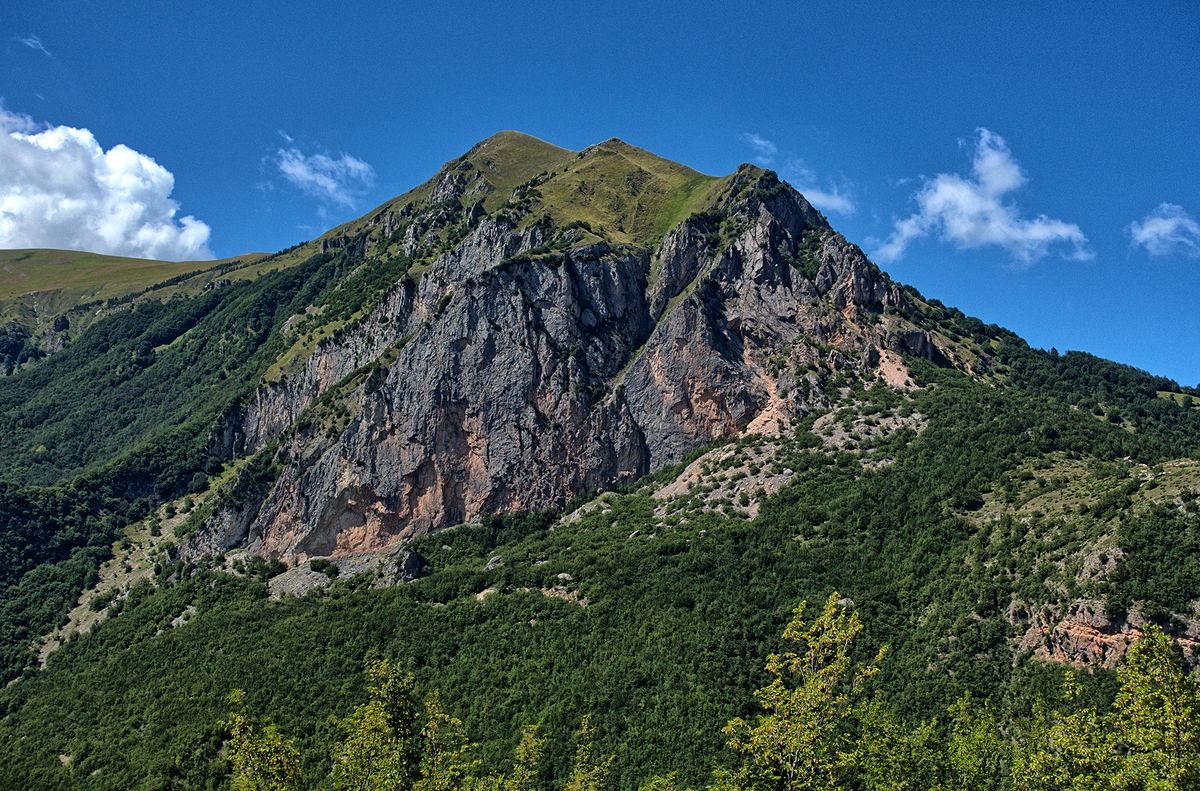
1084 634
509 378
277 405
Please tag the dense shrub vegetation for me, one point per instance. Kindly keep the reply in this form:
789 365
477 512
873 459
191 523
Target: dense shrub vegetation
820 726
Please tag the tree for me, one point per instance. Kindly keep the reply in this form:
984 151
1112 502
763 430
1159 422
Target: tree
1156 715
977 755
526 771
893 757
262 759
380 749
1073 751
664 783
589 772
445 756
806 739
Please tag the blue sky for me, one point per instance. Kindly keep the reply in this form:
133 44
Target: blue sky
1033 164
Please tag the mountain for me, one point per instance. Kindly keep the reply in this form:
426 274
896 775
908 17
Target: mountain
610 314
567 432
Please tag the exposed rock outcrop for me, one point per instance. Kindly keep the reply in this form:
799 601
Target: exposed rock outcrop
511 378
277 405
1085 634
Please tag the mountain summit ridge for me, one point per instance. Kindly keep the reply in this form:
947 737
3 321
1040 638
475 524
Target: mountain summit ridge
636 187
529 354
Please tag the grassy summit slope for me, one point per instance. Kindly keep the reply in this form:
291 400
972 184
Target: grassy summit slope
505 161
509 159
624 193
633 195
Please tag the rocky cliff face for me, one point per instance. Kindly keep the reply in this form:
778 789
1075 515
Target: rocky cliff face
534 361
1084 634
277 405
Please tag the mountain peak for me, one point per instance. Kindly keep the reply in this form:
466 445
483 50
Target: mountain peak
615 143
624 193
510 143
569 332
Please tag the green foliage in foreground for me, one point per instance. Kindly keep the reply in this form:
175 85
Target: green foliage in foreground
818 729
394 742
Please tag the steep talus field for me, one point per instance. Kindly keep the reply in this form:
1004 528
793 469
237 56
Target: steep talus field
565 433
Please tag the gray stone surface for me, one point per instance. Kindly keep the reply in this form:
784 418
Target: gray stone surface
514 383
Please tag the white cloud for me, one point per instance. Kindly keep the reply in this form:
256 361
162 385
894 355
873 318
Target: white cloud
1168 230
764 149
836 198
827 196
34 42
341 180
972 212
59 188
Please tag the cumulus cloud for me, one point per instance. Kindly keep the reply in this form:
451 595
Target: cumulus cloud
974 211
827 196
35 43
1168 230
59 188
341 180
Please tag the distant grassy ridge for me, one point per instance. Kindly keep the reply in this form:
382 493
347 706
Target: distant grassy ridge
92 275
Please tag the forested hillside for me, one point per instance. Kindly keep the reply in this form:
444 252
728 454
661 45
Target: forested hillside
567 436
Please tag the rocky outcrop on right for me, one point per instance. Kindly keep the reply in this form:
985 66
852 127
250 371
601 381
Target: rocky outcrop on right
1085 634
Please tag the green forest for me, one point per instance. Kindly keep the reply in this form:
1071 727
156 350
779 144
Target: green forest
627 640
818 725
681 611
